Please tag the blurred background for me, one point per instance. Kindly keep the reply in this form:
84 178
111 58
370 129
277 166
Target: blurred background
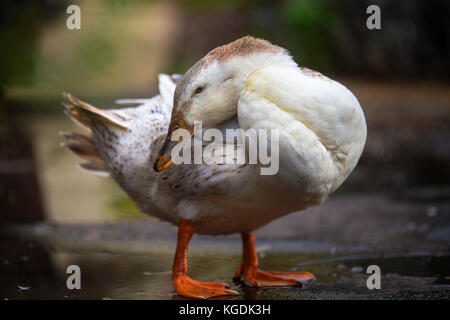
399 195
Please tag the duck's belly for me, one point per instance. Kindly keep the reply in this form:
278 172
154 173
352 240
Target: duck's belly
234 212
239 220
225 217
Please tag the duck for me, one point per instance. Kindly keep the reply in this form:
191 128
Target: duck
248 84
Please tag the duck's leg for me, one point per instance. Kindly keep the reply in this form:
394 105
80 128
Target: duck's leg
182 284
257 278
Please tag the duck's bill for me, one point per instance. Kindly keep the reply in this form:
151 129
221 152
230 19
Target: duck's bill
161 164
164 158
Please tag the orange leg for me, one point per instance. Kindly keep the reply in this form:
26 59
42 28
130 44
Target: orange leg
182 284
257 278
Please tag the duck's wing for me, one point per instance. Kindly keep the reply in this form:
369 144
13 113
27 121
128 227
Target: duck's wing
213 176
319 121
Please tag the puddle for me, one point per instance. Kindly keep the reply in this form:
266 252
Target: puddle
28 270
423 266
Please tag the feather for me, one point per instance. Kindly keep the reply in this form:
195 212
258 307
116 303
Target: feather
85 113
95 168
167 89
81 145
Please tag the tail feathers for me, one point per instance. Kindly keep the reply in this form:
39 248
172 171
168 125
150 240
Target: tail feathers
81 146
95 168
77 122
85 148
83 113
167 85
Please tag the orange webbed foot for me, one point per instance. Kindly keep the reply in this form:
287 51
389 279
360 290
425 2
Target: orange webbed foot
301 279
252 276
259 278
187 287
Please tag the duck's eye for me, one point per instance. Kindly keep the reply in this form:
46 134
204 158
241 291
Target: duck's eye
198 90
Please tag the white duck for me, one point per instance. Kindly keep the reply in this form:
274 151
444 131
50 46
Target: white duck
248 83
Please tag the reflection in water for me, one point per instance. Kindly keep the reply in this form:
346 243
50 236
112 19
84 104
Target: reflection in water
29 270
250 293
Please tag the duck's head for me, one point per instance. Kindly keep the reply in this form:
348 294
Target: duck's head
210 90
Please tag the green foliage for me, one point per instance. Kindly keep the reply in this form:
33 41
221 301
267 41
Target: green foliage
20 26
307 14
308 25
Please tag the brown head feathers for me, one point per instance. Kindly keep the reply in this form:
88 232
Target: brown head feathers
239 48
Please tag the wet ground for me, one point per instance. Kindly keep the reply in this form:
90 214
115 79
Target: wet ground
121 262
